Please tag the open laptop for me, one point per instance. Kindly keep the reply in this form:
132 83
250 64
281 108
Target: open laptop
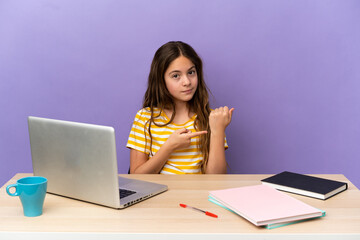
79 161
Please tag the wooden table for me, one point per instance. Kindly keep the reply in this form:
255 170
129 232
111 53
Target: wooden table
161 217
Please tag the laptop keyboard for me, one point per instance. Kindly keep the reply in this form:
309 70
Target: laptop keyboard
125 193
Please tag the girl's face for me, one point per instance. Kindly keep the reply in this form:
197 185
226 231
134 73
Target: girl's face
181 79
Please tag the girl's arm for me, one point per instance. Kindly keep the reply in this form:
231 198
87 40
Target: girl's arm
140 162
219 119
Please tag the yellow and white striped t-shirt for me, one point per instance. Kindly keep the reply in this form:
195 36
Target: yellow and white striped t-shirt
181 161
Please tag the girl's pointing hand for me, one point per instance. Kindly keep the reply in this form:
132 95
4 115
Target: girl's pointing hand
181 138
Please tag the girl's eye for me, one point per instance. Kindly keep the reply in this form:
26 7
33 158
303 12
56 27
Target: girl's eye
192 72
175 76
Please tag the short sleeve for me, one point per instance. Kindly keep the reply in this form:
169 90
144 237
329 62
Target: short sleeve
139 138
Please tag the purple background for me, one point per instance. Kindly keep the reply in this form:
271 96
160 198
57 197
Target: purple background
291 69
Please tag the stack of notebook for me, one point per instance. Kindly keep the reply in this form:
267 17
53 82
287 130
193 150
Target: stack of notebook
264 206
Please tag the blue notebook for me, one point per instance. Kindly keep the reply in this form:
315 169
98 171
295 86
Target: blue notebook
310 186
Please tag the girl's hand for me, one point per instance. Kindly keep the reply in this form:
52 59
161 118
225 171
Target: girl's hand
219 119
181 138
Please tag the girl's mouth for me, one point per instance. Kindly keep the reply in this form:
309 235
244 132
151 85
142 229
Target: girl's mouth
187 91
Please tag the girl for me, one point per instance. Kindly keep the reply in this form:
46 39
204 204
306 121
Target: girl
176 132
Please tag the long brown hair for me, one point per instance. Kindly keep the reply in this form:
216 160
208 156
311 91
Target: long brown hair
158 96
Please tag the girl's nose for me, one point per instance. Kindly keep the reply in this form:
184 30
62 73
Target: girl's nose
186 81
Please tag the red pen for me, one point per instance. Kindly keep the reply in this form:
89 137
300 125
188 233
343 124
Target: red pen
196 209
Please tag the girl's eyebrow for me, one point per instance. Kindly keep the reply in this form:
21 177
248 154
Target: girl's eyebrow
191 68
175 71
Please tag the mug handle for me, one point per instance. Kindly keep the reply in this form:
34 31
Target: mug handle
12 194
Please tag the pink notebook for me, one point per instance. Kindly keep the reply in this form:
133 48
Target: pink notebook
264 205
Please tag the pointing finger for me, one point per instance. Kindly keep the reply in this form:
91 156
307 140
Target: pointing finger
195 134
